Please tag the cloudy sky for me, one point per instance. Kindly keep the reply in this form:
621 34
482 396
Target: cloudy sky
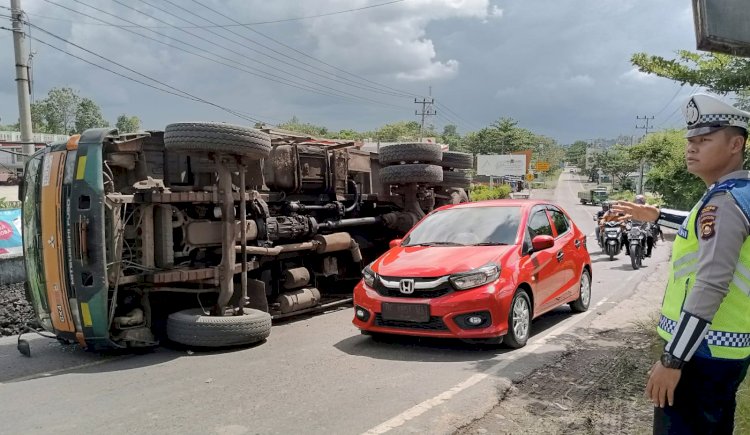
559 67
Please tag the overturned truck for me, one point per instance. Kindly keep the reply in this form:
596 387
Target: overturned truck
205 232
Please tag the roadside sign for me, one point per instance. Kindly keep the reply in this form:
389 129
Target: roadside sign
501 165
529 177
542 166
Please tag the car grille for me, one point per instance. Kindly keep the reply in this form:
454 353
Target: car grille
431 293
434 324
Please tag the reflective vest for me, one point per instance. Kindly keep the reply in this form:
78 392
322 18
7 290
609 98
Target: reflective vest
729 334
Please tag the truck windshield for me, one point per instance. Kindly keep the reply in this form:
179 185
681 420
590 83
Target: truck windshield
467 226
31 230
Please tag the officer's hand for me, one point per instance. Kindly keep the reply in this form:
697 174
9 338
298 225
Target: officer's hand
661 384
639 212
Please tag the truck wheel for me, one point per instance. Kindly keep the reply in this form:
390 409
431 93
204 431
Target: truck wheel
456 160
410 153
193 328
417 173
217 137
460 179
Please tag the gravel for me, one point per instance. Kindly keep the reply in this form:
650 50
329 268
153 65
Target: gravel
15 310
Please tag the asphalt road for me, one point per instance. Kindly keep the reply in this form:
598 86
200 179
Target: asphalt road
314 375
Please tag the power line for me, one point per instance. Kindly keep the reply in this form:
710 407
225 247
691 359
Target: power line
670 101
282 20
230 63
410 94
351 83
195 98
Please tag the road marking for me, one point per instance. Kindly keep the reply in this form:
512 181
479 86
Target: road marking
421 408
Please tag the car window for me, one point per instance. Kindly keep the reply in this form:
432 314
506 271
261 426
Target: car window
468 226
539 224
560 221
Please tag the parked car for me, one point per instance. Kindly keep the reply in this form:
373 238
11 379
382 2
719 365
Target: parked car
477 271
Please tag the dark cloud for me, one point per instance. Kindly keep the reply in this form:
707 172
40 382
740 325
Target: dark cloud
559 67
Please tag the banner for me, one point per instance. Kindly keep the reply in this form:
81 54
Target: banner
10 232
500 165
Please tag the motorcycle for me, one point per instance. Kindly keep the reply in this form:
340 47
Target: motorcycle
611 238
637 234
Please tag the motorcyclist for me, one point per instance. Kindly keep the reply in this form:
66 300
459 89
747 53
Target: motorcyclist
598 218
641 200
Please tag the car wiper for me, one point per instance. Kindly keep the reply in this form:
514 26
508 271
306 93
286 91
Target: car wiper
490 244
437 244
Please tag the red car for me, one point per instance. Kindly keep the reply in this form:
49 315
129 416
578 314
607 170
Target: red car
477 271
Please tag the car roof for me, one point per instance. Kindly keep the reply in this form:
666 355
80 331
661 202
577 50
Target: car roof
522 203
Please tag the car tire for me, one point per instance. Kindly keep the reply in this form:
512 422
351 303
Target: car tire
193 328
410 153
416 173
458 179
584 296
457 160
186 137
519 320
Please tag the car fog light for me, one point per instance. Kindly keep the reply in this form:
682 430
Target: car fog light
474 320
360 313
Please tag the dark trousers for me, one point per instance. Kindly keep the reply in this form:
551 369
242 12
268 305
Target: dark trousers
704 400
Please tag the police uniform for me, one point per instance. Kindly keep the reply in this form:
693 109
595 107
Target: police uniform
705 316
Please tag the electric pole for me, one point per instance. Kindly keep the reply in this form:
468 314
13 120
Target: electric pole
22 77
647 128
427 110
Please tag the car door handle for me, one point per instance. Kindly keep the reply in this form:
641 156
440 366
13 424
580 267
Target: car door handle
560 256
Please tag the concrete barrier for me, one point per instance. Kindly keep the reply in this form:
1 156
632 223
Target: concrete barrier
12 269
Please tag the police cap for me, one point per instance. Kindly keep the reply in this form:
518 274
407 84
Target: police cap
705 114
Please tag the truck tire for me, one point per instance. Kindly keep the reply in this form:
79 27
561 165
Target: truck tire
417 173
410 153
217 137
193 328
460 179
456 160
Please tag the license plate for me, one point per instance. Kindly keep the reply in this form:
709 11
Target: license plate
405 312
612 242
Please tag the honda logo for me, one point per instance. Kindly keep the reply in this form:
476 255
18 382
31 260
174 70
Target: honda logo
406 286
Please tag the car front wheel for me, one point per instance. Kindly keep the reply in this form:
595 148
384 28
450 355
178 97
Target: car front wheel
519 320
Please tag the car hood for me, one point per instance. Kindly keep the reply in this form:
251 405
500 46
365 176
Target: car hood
432 261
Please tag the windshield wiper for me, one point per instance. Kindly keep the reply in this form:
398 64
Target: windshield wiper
490 244
437 244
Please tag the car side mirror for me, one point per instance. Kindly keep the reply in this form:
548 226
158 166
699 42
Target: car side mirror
395 242
540 243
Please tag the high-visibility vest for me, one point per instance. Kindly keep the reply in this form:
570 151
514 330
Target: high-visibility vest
729 334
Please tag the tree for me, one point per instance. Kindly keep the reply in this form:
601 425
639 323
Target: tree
128 124
616 162
297 126
720 73
665 150
451 137
88 115
400 131
576 153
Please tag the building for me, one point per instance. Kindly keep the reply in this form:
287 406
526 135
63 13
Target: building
11 151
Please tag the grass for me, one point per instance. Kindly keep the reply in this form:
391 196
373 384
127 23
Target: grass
482 193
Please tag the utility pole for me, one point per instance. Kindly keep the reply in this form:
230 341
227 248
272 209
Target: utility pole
647 128
427 110
22 77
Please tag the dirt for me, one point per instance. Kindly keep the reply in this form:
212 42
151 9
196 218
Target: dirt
15 310
596 386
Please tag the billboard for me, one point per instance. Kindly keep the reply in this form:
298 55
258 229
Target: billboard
500 165
722 26
10 232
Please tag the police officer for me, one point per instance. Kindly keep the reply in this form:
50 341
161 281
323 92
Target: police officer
705 315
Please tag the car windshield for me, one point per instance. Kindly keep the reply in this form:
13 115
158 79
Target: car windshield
470 226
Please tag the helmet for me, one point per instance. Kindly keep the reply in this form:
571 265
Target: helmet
640 199
605 205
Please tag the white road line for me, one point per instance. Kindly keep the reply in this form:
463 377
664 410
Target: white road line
443 397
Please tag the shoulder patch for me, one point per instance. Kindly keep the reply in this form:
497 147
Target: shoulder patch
707 225
709 209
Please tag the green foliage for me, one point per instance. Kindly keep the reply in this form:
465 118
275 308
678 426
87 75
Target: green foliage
629 195
501 137
128 124
63 111
401 131
617 162
297 126
482 193
576 153
668 176
451 137
720 73
88 115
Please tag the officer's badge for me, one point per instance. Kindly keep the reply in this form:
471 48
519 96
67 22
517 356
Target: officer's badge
706 227
692 114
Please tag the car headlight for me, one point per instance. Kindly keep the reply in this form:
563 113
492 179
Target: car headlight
369 276
476 277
